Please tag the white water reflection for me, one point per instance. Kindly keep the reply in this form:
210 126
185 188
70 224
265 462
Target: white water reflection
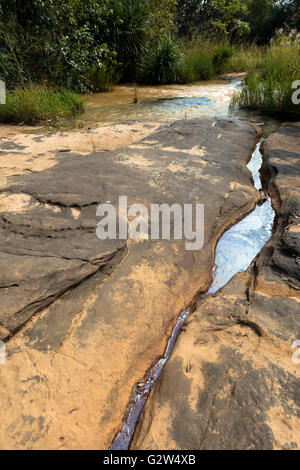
242 243
255 165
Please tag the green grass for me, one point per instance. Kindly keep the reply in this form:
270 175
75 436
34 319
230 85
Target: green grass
245 59
199 60
36 103
268 88
206 59
186 62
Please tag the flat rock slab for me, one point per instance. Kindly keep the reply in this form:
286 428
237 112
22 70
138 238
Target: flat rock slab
231 382
84 319
24 151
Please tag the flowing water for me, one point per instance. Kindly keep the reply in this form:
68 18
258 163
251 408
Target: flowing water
241 244
235 252
168 103
164 103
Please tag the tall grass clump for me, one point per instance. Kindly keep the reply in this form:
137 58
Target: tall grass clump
245 58
269 88
199 59
34 103
204 59
163 63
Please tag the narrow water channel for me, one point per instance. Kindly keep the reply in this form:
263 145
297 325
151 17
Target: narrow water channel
239 246
235 252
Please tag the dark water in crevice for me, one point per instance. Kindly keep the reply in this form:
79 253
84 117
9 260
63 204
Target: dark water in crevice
143 389
235 252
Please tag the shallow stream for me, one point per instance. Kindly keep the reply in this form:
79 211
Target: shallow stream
165 103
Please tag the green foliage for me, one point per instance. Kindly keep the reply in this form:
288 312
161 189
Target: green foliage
60 41
269 89
245 58
88 45
222 55
128 30
236 20
217 19
36 103
103 77
265 17
162 17
73 58
163 64
198 59
294 14
204 59
47 40
229 20
192 17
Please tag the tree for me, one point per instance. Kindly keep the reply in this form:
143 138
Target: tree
229 19
59 41
265 17
162 16
294 14
193 16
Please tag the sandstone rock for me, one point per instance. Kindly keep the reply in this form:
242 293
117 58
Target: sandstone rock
89 317
231 382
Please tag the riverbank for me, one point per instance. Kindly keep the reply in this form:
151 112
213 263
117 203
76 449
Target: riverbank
163 104
260 81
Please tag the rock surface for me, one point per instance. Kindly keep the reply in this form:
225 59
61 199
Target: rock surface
84 319
29 152
231 382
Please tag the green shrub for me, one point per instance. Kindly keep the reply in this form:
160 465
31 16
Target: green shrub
222 55
204 59
103 78
163 64
36 103
269 88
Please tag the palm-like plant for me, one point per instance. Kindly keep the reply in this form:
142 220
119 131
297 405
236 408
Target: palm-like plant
163 63
129 31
